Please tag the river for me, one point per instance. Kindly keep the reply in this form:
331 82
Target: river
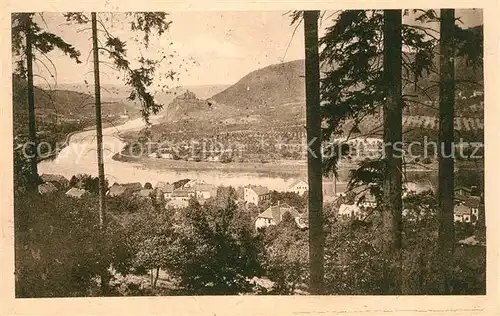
80 156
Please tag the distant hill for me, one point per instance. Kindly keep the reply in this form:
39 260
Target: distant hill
269 86
109 92
276 94
202 92
188 107
274 97
116 92
57 106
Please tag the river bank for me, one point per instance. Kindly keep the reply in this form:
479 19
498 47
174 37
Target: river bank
79 156
276 168
60 146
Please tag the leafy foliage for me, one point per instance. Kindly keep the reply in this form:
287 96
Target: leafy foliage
86 182
138 79
217 249
286 256
214 249
354 262
299 202
353 86
147 21
43 42
469 45
22 171
58 249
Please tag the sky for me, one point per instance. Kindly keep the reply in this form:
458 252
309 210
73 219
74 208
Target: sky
208 47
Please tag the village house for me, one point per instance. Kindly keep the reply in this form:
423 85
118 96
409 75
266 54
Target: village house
166 188
274 215
144 193
116 190
350 211
299 187
473 203
462 191
462 213
47 188
256 194
76 193
205 191
124 189
182 194
466 209
56 179
192 183
411 187
133 187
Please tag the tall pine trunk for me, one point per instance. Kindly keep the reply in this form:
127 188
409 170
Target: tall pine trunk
31 105
393 130
314 160
100 160
446 138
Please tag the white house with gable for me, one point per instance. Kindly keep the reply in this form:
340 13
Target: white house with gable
350 211
274 215
299 187
255 194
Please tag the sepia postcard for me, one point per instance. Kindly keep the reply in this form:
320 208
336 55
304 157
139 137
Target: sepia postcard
249 158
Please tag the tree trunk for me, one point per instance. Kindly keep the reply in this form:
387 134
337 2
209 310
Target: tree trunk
31 105
446 138
100 161
151 277
314 160
156 277
393 130
481 218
